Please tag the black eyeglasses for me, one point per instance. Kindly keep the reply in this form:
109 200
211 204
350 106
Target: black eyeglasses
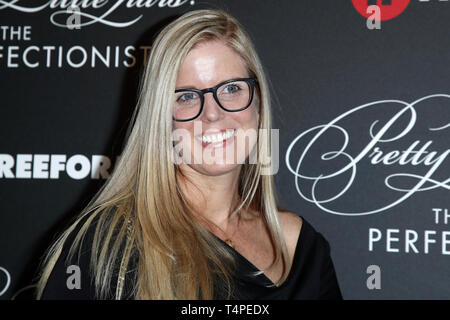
232 95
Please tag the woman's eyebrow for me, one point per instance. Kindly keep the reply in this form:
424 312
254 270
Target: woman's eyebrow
186 87
222 81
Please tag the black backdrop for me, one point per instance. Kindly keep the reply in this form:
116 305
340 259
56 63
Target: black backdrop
370 109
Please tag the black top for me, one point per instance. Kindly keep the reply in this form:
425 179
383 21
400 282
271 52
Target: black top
312 275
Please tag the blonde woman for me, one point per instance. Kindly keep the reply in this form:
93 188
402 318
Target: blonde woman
186 214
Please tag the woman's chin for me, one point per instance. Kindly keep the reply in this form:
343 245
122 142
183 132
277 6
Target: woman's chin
216 169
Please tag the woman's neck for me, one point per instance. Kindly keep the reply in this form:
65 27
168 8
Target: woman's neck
213 197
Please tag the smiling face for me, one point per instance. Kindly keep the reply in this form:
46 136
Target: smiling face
217 141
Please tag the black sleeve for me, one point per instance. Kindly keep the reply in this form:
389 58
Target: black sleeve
329 287
62 283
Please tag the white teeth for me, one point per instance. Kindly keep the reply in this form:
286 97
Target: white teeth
210 138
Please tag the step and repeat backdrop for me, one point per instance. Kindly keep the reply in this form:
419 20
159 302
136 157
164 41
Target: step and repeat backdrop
361 98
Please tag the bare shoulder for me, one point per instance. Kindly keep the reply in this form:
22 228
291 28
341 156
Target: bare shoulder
291 224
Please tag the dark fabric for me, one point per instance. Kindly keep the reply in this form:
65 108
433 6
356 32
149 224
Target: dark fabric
57 289
312 275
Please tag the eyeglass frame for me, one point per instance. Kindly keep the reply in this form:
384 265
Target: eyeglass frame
250 81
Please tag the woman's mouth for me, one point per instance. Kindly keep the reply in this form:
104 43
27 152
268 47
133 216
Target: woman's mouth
217 139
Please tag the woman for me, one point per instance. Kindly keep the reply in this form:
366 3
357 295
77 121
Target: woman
186 214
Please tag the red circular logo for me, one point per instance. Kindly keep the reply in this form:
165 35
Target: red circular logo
388 8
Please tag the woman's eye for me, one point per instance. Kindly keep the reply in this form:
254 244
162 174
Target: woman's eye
231 88
186 97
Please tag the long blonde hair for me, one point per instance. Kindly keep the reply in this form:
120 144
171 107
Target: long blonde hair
140 208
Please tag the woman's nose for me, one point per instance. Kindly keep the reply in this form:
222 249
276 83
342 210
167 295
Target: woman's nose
211 110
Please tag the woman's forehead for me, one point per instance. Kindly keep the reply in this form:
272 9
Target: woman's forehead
210 63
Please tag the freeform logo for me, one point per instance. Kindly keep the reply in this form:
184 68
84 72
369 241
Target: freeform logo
49 166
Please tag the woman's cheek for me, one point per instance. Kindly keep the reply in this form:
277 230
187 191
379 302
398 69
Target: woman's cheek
183 143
